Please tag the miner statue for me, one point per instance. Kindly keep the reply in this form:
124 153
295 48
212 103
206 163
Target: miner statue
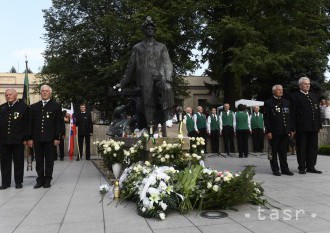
150 70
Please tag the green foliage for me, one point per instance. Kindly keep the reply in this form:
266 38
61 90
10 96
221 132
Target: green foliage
324 150
186 184
252 45
12 70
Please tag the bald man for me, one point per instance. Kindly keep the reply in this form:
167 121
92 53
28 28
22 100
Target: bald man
13 134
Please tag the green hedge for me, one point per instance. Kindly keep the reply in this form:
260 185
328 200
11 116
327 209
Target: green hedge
324 150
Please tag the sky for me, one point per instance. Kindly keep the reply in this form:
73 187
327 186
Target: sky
21 27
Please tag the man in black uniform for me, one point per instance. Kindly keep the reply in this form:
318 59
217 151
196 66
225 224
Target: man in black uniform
13 133
85 131
46 126
306 121
278 128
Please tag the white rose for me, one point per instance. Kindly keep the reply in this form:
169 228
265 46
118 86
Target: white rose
198 157
147 163
143 209
202 152
197 143
215 188
163 205
217 179
167 156
162 159
162 216
209 185
114 155
117 148
203 143
193 146
194 155
152 150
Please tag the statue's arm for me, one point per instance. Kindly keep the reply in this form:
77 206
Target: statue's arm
167 64
130 68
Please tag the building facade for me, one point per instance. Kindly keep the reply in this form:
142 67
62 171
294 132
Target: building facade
16 81
203 92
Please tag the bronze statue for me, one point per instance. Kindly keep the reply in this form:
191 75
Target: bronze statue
150 68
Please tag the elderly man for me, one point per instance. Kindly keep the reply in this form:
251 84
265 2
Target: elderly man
189 121
200 124
13 133
258 129
278 128
46 128
227 128
307 123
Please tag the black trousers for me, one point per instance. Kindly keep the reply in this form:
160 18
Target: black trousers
258 140
279 149
242 142
215 141
192 134
203 134
307 146
9 153
228 139
81 144
44 152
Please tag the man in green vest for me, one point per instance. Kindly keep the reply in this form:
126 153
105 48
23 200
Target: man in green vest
243 130
200 124
213 130
189 121
258 129
227 128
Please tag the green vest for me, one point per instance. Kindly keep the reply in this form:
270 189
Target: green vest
214 123
242 121
257 122
201 121
227 119
189 123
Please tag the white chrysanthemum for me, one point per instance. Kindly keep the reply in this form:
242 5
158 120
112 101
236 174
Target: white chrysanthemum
162 216
163 205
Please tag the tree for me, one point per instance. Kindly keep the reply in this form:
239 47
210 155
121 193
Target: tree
90 41
12 70
252 45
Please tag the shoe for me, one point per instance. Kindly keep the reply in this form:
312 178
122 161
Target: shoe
47 185
88 159
288 173
3 187
314 171
302 172
276 173
38 185
18 186
77 159
61 159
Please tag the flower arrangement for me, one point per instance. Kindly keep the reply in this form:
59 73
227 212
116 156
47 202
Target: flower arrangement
111 151
104 189
133 154
156 190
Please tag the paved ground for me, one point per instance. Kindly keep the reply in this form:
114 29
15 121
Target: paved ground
72 204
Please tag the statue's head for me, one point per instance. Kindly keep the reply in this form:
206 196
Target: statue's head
149 27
